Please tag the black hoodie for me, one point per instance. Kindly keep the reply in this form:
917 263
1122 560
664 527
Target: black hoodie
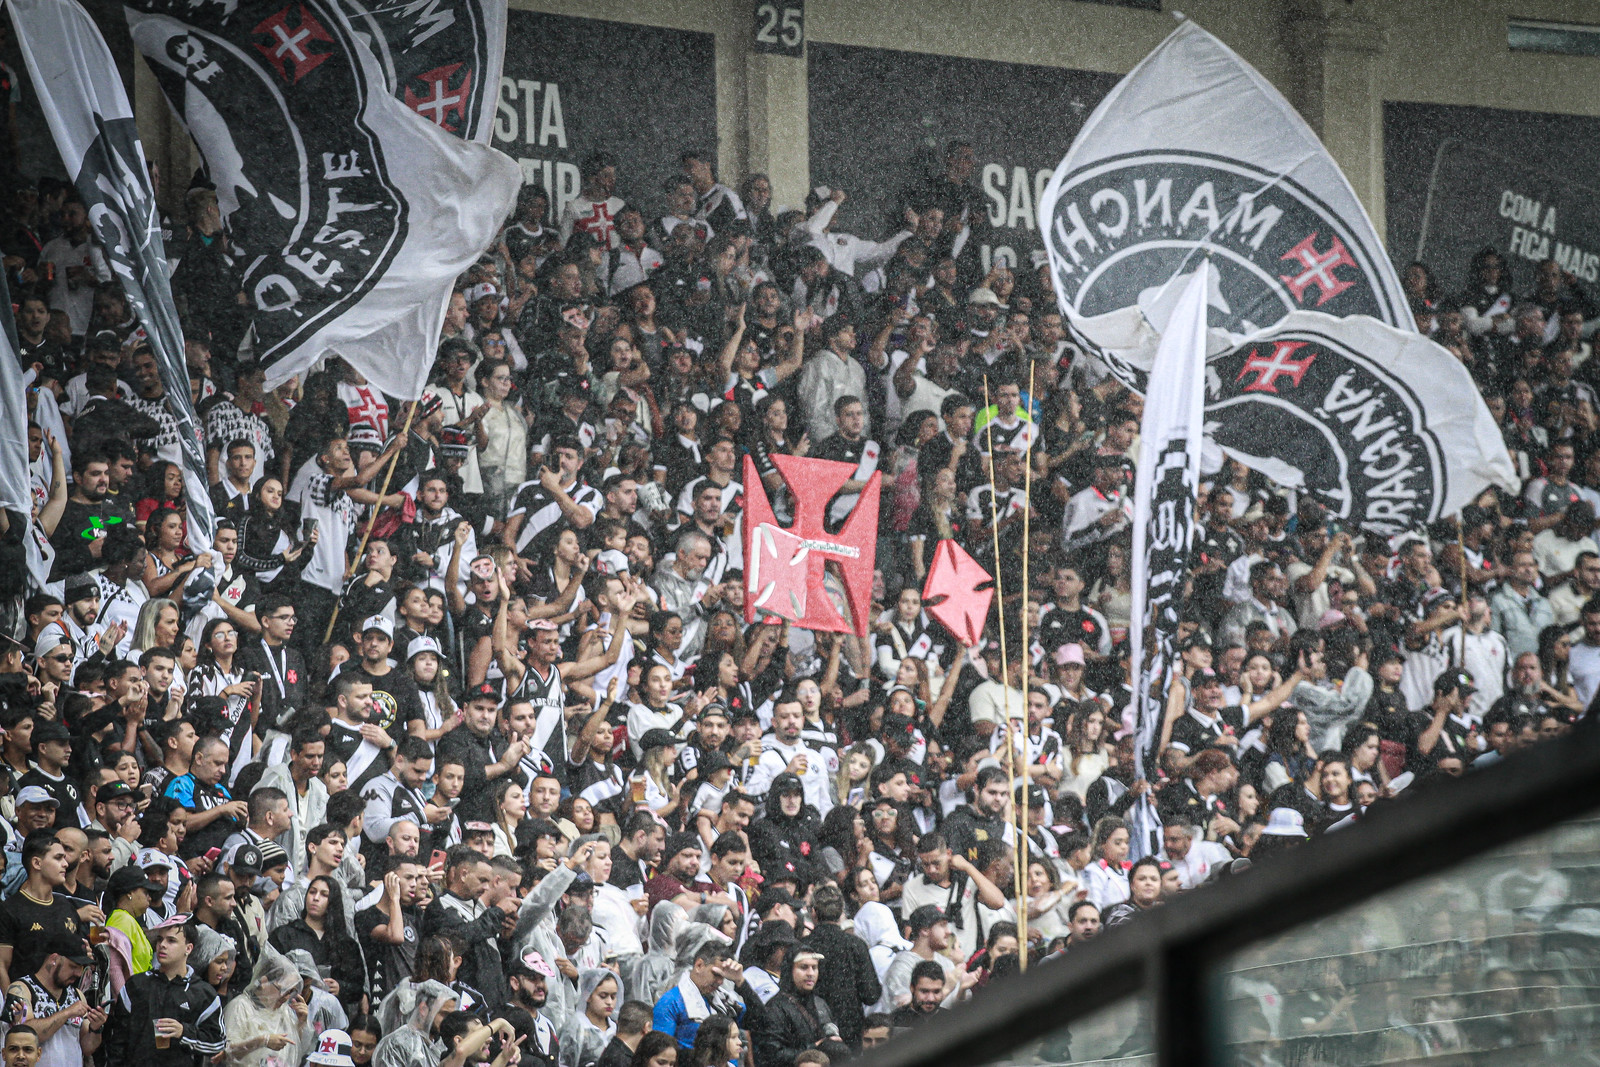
782 842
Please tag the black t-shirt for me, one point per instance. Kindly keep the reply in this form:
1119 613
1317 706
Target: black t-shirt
63 789
31 928
387 964
1191 733
394 699
1062 626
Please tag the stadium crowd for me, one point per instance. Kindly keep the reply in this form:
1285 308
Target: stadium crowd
455 747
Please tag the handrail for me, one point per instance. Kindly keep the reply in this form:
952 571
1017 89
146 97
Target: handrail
1169 952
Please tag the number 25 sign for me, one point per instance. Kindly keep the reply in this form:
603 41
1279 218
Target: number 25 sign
781 27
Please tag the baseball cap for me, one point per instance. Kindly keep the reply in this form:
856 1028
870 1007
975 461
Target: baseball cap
1036 795
422 644
246 860
924 917
126 879
363 436
1069 653
152 859
68 947
112 790
1206 677
1198 639
35 794
50 730
1434 597
104 341
984 295
581 883
1454 679
379 622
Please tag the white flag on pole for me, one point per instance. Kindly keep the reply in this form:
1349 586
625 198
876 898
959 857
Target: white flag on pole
1165 488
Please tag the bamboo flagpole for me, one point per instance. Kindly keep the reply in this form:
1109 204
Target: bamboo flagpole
1000 595
394 461
1461 604
1023 809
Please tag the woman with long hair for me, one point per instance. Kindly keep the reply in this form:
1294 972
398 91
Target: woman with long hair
1106 876
937 518
501 427
156 626
168 563
1048 899
1361 747
851 783
860 887
440 714
1087 754
897 632
217 674
891 831
916 430
660 1049
717 1044
160 490
1555 654
270 547
1290 754
578 811
320 930
509 806
651 784
1112 592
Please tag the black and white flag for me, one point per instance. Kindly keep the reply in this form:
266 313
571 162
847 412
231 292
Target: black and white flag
441 58
1165 489
1195 154
1316 375
89 116
16 494
352 214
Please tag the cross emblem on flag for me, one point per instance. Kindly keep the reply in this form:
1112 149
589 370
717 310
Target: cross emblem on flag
1268 368
441 100
289 47
1319 269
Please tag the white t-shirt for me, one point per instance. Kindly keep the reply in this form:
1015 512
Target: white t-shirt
336 516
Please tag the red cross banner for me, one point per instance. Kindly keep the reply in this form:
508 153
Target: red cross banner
787 568
356 211
958 592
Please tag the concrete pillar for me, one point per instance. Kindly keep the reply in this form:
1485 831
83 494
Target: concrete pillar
777 104
1338 45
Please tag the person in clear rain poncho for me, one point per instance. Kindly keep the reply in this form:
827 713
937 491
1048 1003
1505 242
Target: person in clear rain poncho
266 1024
410 1016
586 1032
647 977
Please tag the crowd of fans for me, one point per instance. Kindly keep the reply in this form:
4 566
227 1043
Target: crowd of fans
455 746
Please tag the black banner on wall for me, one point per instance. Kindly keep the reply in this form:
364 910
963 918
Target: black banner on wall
573 86
1462 178
880 120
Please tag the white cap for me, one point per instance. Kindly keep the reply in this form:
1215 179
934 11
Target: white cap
379 622
333 1049
423 644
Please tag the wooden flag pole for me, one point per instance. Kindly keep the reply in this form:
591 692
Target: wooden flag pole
1000 593
1027 653
366 534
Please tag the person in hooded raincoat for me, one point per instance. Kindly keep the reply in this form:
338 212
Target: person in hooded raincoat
592 1025
652 974
410 1016
267 1024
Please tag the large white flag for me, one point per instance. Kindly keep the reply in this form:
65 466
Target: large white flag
81 94
1383 426
1195 154
16 494
1165 488
441 58
353 214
